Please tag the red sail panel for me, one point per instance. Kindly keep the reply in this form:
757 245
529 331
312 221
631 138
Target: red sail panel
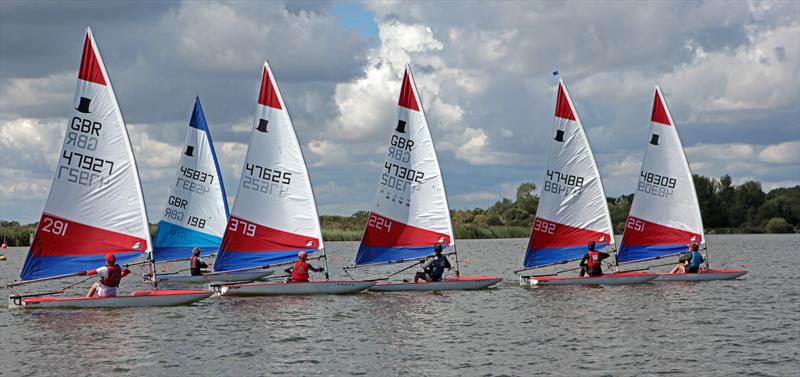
407 98
384 232
246 236
90 66
57 236
268 96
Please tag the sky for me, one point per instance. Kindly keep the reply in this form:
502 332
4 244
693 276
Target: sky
729 72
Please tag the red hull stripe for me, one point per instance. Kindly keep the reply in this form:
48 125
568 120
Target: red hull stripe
407 98
90 66
562 236
59 237
652 234
659 112
397 234
268 96
563 109
246 236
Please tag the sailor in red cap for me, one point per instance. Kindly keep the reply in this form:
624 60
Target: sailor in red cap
110 276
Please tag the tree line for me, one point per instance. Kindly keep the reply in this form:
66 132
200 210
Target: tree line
725 208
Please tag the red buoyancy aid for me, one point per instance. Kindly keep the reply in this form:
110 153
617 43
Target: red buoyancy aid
300 271
114 276
594 260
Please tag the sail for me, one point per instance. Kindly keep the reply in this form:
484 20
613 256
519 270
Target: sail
197 210
274 215
665 214
95 205
572 208
410 213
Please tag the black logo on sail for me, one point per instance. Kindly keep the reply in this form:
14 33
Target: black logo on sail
654 139
189 151
401 126
83 106
559 136
262 125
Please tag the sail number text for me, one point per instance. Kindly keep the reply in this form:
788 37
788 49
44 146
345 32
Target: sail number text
265 180
656 184
380 223
562 184
544 226
178 215
246 228
635 224
82 169
54 226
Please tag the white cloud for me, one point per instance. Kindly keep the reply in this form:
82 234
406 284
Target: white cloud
476 196
783 153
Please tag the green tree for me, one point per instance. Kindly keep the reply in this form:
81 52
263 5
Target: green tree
779 225
526 198
747 198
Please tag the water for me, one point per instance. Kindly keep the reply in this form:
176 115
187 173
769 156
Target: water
749 326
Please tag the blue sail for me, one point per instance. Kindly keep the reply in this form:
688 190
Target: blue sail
197 209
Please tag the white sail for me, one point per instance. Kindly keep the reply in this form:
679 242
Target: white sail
274 215
196 213
572 207
665 214
410 213
95 205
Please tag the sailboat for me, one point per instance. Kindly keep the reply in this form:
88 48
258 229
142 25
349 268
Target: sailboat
95 205
275 215
572 208
196 213
665 214
410 213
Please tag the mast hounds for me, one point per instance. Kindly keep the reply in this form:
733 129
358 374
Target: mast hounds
95 206
410 218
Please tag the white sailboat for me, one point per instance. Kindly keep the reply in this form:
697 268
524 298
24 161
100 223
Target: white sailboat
572 208
95 205
665 214
410 213
196 213
275 214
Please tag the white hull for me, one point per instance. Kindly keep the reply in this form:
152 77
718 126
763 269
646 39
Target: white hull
622 278
310 288
221 277
703 275
451 284
135 299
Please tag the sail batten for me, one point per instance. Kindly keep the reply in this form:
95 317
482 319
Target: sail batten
275 213
196 213
95 205
410 213
572 207
665 213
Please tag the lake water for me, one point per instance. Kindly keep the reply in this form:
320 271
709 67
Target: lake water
749 326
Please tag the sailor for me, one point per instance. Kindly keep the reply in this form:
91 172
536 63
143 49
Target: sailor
300 268
690 261
197 264
592 262
433 269
110 276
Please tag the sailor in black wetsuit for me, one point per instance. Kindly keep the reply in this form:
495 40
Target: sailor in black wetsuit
433 270
592 262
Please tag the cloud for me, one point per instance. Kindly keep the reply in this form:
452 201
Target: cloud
783 153
476 196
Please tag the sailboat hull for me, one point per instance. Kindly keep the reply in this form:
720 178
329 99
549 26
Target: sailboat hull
135 299
621 278
703 275
448 284
222 277
330 287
